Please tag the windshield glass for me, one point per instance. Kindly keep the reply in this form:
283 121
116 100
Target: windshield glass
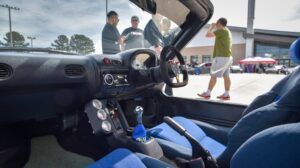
83 27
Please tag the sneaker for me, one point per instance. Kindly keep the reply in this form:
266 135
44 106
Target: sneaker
223 97
204 95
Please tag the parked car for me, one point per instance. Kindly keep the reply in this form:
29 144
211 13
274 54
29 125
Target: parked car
236 69
203 68
190 69
278 69
290 70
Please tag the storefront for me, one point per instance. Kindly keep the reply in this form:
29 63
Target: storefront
270 43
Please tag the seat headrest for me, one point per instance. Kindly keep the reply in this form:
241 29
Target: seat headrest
294 51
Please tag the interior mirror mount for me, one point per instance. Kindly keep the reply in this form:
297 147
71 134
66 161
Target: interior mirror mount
146 5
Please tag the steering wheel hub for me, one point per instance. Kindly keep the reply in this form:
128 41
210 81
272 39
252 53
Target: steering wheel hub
170 69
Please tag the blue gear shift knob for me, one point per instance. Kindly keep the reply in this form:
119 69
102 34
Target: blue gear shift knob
139 114
139 133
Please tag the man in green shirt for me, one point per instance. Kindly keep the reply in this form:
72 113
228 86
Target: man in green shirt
222 58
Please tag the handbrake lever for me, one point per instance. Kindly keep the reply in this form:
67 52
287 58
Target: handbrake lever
197 149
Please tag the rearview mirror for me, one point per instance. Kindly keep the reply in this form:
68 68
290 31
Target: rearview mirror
146 5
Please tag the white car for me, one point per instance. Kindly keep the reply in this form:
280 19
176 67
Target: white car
275 69
236 69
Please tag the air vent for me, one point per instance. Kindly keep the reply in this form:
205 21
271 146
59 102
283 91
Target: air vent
74 70
5 71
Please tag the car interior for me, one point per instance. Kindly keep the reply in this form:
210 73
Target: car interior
105 111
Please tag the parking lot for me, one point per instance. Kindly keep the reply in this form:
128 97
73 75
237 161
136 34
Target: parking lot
245 87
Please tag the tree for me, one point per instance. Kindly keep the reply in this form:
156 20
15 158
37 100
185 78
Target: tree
62 43
81 44
18 40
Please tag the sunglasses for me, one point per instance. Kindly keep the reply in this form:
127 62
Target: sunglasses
134 20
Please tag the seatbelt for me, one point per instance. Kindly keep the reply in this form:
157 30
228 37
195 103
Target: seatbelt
213 72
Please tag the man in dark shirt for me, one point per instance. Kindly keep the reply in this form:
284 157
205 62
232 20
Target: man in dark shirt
152 33
111 40
168 33
133 36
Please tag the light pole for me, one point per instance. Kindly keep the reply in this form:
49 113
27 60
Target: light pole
9 15
31 40
106 8
250 29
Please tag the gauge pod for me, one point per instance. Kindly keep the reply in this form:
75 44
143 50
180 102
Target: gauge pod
106 126
97 104
101 114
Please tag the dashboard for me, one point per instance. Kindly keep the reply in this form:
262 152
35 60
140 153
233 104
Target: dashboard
40 85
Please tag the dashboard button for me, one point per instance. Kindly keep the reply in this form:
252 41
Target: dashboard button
108 79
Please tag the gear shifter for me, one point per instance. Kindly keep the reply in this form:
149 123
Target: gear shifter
139 114
139 133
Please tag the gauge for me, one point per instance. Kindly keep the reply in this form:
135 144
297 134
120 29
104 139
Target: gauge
97 104
106 126
101 114
108 79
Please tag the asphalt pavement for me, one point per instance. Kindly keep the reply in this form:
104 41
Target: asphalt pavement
244 87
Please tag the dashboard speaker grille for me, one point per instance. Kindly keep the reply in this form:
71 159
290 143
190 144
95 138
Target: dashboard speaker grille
5 71
74 70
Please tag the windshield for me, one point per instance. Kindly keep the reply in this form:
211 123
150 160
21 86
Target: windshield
84 27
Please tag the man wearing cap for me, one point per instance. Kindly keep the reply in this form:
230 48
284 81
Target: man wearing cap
133 36
111 40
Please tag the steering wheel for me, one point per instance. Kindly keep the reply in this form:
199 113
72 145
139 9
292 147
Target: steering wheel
170 70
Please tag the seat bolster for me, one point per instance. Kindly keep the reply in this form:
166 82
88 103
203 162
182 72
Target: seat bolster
119 158
219 133
164 131
214 147
191 127
176 145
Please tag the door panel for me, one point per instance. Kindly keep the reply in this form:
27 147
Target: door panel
218 113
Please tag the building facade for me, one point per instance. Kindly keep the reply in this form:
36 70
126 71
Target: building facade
268 43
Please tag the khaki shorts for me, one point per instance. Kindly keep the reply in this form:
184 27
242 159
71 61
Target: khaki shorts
221 66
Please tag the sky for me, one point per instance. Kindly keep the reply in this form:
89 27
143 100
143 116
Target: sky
281 15
47 19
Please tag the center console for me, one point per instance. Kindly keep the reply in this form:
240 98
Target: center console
107 119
